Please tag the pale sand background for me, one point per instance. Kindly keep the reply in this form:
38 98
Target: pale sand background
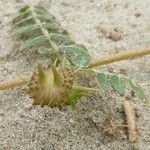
27 127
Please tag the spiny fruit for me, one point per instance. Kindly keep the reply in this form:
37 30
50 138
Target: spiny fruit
51 86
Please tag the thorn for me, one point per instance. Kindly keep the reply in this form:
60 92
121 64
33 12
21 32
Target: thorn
64 62
57 77
55 62
42 74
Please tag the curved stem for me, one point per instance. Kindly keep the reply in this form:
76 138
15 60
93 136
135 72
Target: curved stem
119 56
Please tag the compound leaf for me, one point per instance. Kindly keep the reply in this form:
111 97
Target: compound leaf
41 29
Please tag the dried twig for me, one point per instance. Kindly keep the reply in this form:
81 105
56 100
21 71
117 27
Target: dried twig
130 117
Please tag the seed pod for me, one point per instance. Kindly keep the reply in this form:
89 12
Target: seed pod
51 86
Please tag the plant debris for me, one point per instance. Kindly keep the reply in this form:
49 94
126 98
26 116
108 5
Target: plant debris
113 128
130 117
111 32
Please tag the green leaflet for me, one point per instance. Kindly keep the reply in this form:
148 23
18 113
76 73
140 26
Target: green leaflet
36 41
104 81
47 19
26 17
79 48
61 38
27 8
24 9
31 28
118 84
22 22
81 60
40 8
21 16
51 26
78 54
44 50
137 90
25 29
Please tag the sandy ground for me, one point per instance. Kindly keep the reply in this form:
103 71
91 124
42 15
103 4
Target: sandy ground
27 127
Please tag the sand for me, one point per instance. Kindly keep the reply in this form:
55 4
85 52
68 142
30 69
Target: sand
27 127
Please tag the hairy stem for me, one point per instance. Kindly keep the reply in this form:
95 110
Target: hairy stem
14 83
119 56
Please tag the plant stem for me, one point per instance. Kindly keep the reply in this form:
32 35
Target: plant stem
25 79
119 56
14 83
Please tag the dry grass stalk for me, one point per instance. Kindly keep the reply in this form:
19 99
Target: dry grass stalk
130 117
